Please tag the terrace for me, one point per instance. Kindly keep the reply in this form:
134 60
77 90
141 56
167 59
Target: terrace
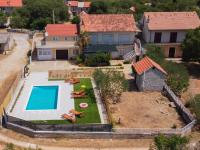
19 106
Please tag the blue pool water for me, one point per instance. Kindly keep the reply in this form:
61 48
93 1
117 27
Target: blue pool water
43 98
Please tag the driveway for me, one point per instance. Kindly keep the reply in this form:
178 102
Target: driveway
17 59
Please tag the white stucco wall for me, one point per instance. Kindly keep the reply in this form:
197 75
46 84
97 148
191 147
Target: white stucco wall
117 38
149 35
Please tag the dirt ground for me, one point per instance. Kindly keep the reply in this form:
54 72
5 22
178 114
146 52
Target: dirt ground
81 143
145 110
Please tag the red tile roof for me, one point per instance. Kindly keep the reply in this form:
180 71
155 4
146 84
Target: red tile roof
10 3
108 22
172 20
73 3
145 64
61 29
77 3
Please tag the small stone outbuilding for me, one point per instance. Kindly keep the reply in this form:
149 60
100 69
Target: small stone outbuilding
149 76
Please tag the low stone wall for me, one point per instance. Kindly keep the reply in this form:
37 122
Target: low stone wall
183 111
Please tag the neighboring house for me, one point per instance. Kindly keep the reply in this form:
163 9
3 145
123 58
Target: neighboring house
76 7
114 33
59 42
168 29
6 42
149 76
7 6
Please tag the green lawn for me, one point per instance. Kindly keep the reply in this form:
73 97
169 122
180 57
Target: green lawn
91 114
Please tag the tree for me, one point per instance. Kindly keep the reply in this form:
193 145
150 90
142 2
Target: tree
110 83
155 53
35 14
3 19
174 142
75 20
98 7
191 46
83 40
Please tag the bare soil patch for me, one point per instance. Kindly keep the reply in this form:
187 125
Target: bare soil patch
145 110
80 143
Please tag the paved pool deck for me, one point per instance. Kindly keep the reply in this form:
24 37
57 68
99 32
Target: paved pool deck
65 102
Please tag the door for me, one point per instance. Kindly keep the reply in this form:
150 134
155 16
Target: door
173 37
62 54
172 51
157 37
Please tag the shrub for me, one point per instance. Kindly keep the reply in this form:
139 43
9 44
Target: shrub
155 53
75 20
170 143
195 106
80 59
98 59
178 78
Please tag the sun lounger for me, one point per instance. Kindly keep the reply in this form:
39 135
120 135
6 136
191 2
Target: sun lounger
76 113
78 92
78 96
68 117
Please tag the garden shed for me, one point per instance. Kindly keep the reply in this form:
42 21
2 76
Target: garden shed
149 76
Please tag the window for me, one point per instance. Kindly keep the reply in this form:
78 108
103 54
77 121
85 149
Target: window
40 52
65 38
173 37
75 38
55 38
157 37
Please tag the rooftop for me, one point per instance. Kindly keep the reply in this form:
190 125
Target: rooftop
172 20
78 4
61 30
10 3
145 64
108 22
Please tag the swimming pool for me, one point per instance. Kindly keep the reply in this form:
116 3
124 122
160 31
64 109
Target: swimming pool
43 98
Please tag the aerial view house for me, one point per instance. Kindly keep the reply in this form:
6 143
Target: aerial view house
114 33
76 7
59 42
168 29
149 76
6 42
7 6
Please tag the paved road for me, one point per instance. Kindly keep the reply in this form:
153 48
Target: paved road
17 58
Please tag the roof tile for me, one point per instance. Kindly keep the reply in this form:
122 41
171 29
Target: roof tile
145 64
10 3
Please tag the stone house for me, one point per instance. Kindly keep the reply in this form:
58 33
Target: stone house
76 7
113 33
149 76
6 42
7 6
168 29
59 42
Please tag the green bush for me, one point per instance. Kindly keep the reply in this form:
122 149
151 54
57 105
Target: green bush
155 53
80 59
98 59
195 106
170 143
75 20
178 77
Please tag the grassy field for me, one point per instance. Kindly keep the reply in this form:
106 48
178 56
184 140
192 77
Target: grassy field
91 114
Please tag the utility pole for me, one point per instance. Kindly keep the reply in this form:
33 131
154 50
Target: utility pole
53 17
